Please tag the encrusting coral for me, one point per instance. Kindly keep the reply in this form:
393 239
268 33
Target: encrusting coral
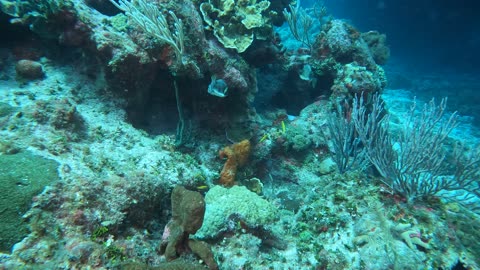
237 156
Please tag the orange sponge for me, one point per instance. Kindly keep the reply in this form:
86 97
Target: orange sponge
237 156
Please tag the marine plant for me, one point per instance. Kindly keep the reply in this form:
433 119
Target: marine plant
300 24
152 21
99 232
413 163
348 153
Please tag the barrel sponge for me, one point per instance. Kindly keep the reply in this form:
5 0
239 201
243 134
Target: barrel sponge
188 209
224 205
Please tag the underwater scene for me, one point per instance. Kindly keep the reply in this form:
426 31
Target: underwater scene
239 134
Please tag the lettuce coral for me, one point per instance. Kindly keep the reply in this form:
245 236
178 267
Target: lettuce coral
236 23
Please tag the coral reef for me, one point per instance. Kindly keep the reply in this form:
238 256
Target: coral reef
352 58
353 79
375 232
126 131
133 64
377 44
339 64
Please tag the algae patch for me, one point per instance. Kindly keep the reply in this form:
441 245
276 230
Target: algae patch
5 109
22 176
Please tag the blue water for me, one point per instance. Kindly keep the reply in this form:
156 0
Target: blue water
427 35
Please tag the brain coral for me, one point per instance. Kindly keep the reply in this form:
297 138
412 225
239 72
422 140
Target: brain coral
225 204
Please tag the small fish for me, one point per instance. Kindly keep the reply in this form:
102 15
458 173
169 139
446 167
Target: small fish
202 187
264 138
284 128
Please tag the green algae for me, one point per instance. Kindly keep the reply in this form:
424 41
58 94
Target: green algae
5 109
22 176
